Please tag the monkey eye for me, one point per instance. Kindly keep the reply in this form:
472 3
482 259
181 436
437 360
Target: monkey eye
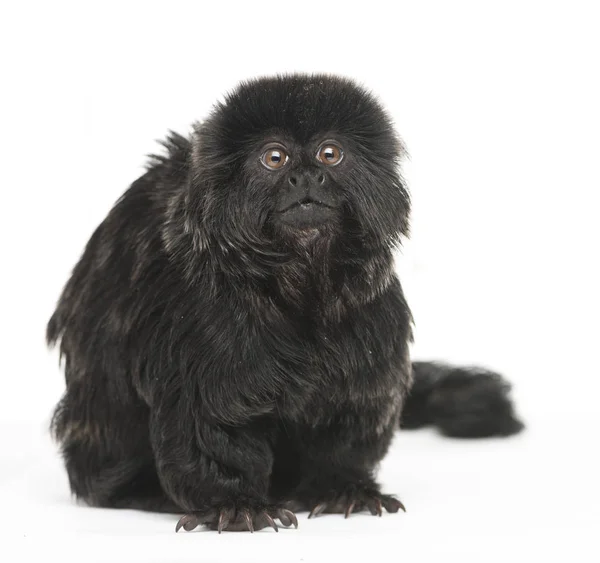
330 154
274 158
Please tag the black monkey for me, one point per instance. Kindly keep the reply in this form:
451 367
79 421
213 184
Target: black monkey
235 339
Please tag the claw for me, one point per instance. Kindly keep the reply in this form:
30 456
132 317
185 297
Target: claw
379 508
285 520
287 517
292 517
223 521
190 526
187 522
245 517
270 520
349 509
248 520
393 505
317 509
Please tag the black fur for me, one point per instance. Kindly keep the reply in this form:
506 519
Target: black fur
461 402
229 359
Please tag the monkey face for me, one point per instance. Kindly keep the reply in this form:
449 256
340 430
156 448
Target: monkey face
306 196
297 156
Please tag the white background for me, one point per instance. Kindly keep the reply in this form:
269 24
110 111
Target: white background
499 106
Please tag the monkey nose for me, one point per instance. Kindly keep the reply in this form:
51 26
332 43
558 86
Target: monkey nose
306 178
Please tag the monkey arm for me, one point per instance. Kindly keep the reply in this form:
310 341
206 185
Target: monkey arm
200 462
219 474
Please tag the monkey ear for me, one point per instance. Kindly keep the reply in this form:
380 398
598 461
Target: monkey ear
183 232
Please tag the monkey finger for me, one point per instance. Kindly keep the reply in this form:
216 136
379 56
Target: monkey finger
248 520
318 509
287 517
270 521
392 504
223 520
349 509
188 522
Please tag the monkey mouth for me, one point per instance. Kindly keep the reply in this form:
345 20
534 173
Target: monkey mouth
306 204
306 214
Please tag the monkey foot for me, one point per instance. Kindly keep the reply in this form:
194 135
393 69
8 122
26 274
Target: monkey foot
357 500
243 519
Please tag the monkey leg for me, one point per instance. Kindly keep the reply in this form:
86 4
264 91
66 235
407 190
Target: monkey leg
335 469
107 477
218 474
109 460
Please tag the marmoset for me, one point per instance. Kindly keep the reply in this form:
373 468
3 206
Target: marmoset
235 338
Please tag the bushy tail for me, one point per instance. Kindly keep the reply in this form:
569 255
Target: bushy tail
460 402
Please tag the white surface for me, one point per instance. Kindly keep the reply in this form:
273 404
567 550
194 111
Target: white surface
520 500
499 108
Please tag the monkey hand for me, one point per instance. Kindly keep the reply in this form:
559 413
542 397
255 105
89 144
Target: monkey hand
234 518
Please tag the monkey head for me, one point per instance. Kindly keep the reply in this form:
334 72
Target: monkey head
294 158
